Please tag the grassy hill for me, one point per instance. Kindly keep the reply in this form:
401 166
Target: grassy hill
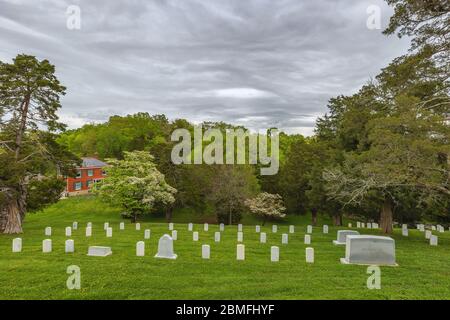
423 271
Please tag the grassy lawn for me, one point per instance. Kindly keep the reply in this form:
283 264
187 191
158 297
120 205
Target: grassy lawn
423 272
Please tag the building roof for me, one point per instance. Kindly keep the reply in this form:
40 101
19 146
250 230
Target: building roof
92 162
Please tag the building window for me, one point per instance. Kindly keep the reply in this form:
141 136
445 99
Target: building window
78 174
90 172
78 186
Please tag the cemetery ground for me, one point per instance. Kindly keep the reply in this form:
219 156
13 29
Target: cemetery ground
423 271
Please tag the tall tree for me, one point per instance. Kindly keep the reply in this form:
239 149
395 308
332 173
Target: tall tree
29 99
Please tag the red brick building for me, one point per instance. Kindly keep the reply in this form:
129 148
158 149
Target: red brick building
90 172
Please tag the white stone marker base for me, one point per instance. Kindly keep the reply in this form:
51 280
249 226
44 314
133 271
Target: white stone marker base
88 231
239 227
240 236
75 225
68 231
240 252
217 236
96 251
171 226
262 237
165 248
221 227
195 236
140 249
257 228
325 229
307 239
109 232
205 227
309 229
122 226
17 245
274 254
284 238
274 228
147 234
138 226
206 251
309 255
48 231
190 226
47 246
291 229
369 250
70 246
174 235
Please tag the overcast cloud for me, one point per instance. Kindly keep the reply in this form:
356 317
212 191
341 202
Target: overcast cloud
260 63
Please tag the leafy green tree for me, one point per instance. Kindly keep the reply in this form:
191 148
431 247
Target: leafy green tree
267 206
29 100
135 184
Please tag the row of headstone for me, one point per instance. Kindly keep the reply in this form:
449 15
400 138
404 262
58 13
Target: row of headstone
46 245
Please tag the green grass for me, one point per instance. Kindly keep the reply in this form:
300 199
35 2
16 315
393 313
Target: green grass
423 271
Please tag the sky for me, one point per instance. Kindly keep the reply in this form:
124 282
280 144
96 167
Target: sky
257 63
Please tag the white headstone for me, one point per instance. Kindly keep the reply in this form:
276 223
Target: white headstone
369 225
433 228
70 246
274 228
95 251
369 250
75 225
262 237
358 224
240 252
48 231
404 226
221 227
325 228
88 231
362 225
349 225
258 228
205 227
147 234
174 234
17 245
171 226
165 248
240 236
284 238
217 236
68 231
427 234
405 232
109 232
140 248
342 236
89 224
106 225
195 236
309 229
307 239
433 240
205 251
440 228
421 227
291 229
274 254
138 226
190 227
375 225
47 245
122 226
309 255
240 227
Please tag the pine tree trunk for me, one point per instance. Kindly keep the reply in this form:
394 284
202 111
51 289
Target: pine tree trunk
13 216
337 220
169 214
386 216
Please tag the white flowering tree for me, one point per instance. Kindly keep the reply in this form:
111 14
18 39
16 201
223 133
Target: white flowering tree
266 205
135 184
